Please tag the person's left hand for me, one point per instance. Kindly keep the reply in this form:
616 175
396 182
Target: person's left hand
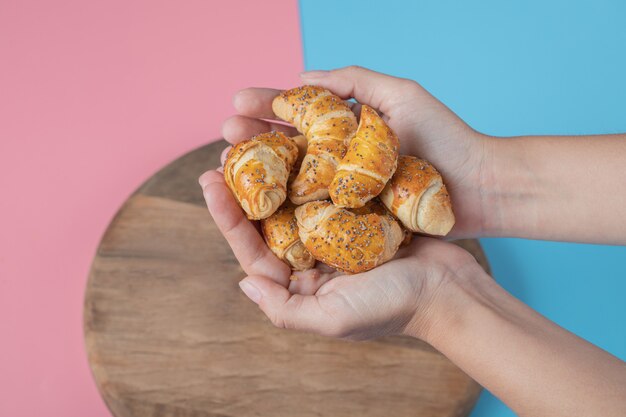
396 297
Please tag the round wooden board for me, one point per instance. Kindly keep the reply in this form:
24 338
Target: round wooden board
169 333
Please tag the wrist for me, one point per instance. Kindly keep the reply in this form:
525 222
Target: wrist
508 188
446 300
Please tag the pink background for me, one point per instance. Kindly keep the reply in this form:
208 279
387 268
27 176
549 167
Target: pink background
94 98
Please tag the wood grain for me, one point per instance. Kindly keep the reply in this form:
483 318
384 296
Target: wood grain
169 333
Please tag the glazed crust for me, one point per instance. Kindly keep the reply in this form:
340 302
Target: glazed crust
328 124
370 161
281 234
417 196
376 206
348 241
256 171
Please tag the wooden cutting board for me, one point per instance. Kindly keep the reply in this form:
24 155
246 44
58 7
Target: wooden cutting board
169 333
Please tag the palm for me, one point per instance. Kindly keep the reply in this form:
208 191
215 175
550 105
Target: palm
372 304
428 129
392 296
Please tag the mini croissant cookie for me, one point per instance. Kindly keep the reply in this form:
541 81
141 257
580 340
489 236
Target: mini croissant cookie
281 234
370 160
345 240
328 124
376 206
256 171
417 196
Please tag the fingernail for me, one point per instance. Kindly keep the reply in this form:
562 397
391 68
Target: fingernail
220 169
250 291
202 181
237 99
314 74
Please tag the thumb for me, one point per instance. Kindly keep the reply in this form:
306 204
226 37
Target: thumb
293 311
366 86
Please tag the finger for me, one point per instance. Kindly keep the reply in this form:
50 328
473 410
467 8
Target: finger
223 155
239 128
367 87
255 102
308 282
247 244
291 311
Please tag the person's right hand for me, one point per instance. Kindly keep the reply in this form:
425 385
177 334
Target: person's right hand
425 126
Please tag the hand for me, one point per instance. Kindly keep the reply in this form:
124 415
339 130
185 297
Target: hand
425 126
397 297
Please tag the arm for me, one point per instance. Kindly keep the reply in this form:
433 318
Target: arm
557 188
534 366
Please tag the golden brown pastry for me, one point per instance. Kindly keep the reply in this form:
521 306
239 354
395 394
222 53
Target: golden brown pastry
417 196
328 124
376 206
281 234
256 171
370 161
346 240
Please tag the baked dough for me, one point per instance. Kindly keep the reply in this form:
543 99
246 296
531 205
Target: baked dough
328 124
256 171
348 241
281 234
370 161
417 196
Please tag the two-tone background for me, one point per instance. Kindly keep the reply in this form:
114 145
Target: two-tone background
95 96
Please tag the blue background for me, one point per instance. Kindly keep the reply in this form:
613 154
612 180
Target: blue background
507 68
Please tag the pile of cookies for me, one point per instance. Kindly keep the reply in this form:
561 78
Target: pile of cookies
340 193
